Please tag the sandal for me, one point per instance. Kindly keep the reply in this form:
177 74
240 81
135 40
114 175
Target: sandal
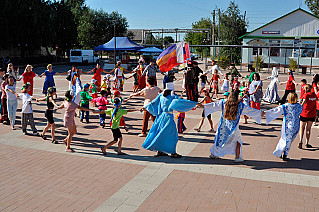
43 137
300 145
308 146
121 153
69 150
198 130
54 141
103 151
159 153
175 155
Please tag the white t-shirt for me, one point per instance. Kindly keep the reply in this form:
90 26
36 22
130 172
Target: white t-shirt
26 103
11 96
1 80
213 68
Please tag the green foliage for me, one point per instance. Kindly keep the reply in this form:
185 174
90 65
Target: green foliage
199 38
293 65
223 61
258 64
313 6
232 26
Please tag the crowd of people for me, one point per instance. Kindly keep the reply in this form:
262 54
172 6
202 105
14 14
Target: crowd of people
243 95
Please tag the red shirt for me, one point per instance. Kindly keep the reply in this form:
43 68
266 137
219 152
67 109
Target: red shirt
236 86
28 77
215 77
309 108
302 91
290 84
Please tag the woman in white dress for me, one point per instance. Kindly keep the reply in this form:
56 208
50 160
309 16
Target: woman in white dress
271 94
228 138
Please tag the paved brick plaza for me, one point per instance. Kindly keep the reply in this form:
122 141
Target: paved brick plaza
38 175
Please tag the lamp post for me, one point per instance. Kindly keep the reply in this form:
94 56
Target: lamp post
114 24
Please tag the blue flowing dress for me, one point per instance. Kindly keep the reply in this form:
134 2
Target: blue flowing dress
49 81
290 126
163 135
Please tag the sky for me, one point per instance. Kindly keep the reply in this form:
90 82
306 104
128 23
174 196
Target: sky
151 14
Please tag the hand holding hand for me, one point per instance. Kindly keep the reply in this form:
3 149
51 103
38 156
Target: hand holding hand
263 113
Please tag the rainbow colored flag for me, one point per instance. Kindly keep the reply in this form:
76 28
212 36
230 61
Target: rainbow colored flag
171 57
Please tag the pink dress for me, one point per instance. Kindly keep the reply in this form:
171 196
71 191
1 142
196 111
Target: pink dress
69 113
101 102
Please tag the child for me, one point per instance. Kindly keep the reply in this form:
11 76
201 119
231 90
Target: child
12 102
226 94
117 94
69 115
116 116
180 116
206 100
214 82
115 85
49 114
93 89
104 84
302 90
225 86
85 102
2 72
136 85
27 112
246 101
236 84
4 115
203 78
101 102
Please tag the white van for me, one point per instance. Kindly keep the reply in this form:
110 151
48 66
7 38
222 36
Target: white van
83 56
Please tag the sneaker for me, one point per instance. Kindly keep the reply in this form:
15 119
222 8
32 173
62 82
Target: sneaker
300 145
142 135
213 156
239 160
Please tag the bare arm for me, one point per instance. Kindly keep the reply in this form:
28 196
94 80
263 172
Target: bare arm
303 102
85 109
41 99
53 102
258 87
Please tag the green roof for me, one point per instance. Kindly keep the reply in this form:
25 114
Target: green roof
247 34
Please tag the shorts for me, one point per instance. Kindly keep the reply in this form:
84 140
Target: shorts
116 134
49 115
202 85
209 116
304 119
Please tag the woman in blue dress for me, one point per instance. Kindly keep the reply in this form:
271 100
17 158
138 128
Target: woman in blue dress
163 135
49 80
290 126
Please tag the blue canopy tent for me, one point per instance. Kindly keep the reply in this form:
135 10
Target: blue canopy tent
122 44
151 50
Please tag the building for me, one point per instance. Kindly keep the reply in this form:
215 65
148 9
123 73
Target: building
296 29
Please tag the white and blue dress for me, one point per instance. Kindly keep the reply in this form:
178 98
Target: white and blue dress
163 135
290 126
228 133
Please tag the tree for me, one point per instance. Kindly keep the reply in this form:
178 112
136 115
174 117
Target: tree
313 6
199 38
232 26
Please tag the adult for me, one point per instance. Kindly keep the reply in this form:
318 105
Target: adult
189 84
255 92
141 59
141 79
27 77
150 71
119 74
197 71
69 115
290 86
213 68
70 74
12 102
4 115
163 135
97 75
12 72
308 115
150 92
250 77
271 94
233 73
49 80
228 139
2 73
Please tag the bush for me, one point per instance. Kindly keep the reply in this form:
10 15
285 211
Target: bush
258 65
223 62
292 64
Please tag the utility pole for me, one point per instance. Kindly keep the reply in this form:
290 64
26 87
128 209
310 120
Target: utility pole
114 22
218 26
213 36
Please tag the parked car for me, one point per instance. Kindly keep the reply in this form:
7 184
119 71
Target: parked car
83 56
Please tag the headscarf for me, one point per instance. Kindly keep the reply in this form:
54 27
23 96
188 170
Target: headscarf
274 72
118 105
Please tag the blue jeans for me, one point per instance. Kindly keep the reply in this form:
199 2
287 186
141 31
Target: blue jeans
102 118
180 125
87 115
12 110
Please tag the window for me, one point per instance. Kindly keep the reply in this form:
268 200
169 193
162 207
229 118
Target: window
286 52
308 52
317 55
255 50
76 53
274 52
